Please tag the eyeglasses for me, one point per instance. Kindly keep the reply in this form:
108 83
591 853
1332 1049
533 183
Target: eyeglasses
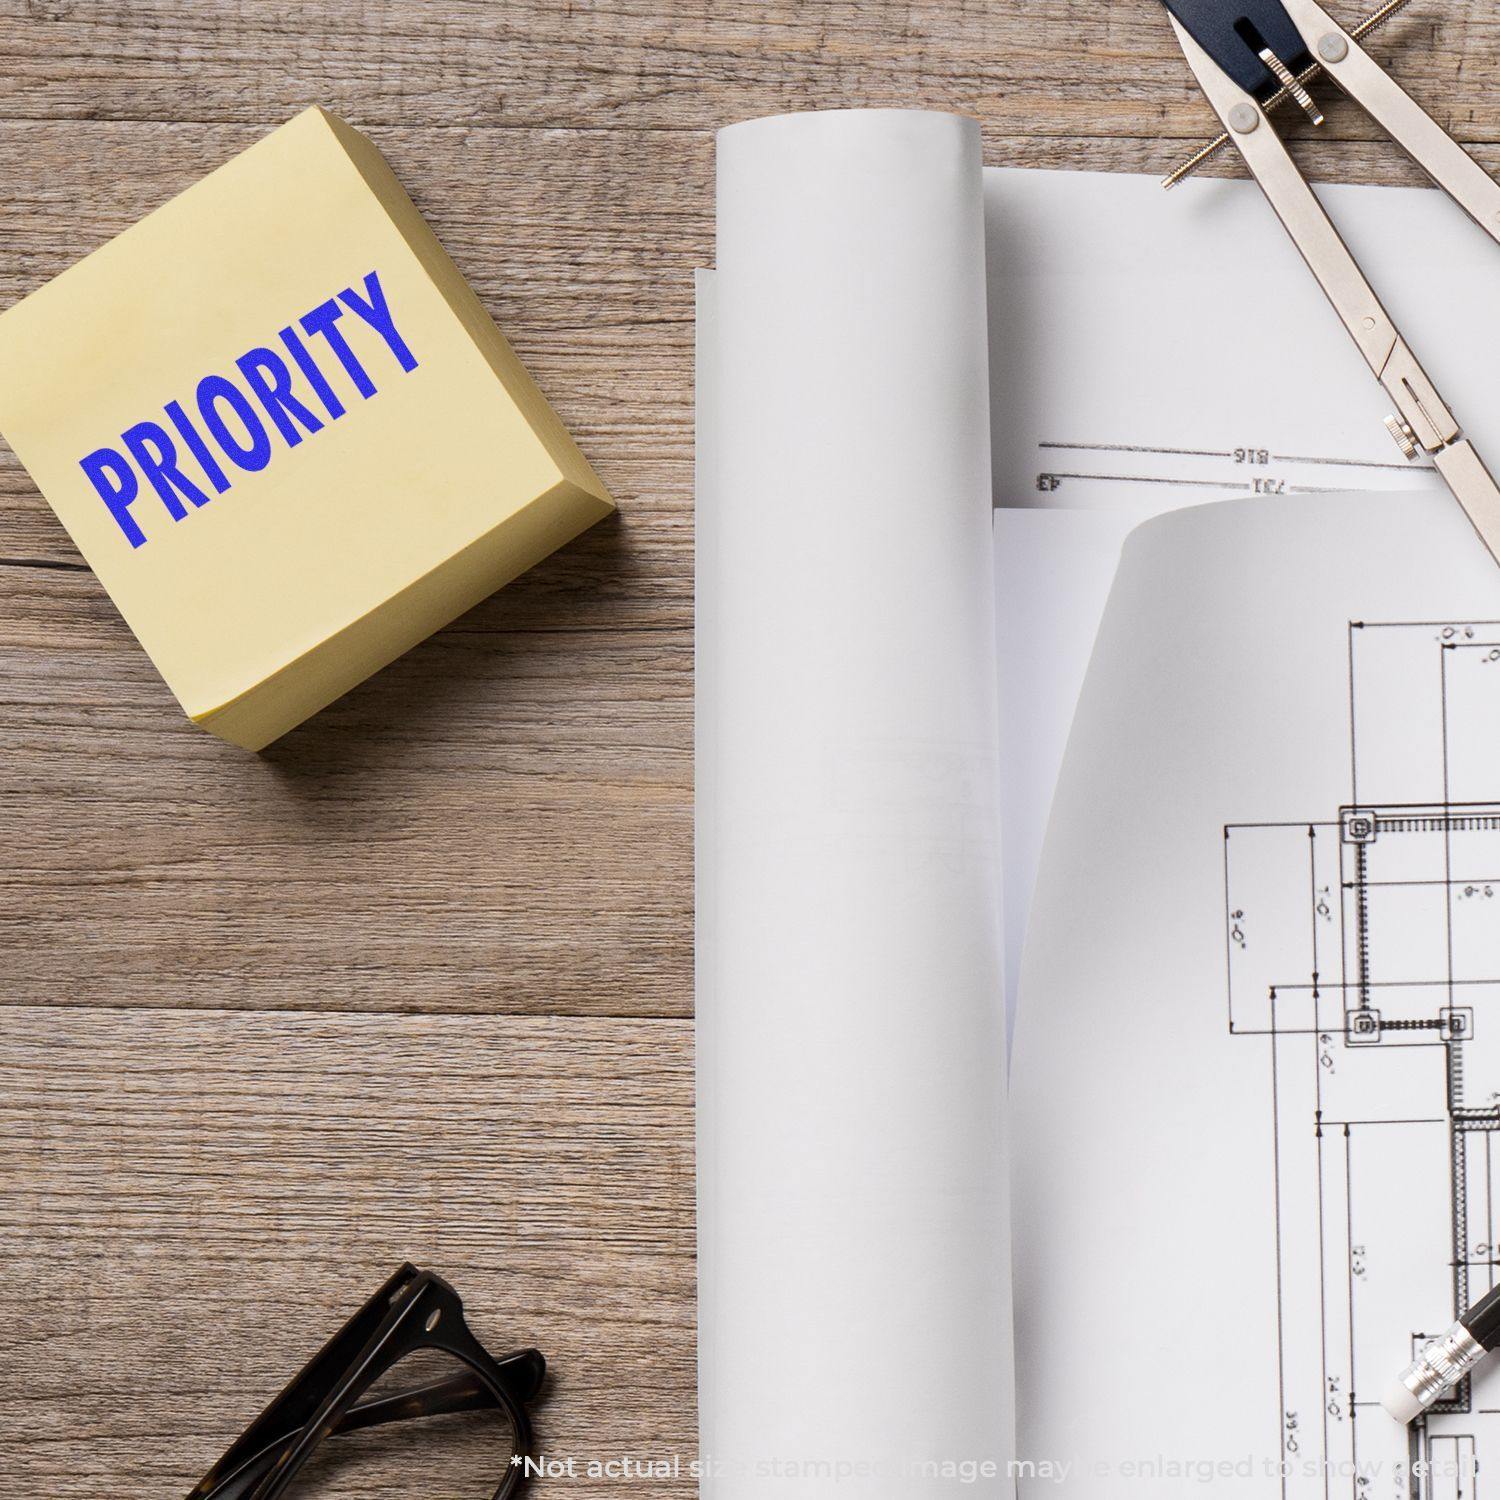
415 1311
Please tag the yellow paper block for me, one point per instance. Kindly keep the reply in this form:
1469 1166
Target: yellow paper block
283 431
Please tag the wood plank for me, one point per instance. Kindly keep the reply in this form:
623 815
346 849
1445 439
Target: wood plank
499 820
1054 67
194 1201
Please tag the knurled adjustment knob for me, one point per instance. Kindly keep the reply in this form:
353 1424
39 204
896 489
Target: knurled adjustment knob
1406 438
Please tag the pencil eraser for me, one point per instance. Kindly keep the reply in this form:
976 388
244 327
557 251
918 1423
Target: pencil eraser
284 432
1399 1401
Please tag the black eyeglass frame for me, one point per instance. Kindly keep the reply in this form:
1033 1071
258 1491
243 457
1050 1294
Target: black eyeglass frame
415 1310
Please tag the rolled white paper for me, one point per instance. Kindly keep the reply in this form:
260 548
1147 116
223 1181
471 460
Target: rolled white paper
854 1303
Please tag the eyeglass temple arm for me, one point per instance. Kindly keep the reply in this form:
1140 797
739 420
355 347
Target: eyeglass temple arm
522 1373
284 1425
291 1410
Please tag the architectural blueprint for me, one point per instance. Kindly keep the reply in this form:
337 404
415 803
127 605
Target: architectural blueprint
1256 1081
1364 942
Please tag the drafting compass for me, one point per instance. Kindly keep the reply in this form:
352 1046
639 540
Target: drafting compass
1249 56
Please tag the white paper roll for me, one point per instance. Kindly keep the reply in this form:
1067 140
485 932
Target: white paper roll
854 1306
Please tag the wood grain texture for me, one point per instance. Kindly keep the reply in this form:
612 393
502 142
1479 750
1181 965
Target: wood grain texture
194 1201
1052 68
416 982
498 821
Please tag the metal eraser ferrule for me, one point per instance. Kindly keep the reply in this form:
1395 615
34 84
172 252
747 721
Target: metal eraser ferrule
1439 1366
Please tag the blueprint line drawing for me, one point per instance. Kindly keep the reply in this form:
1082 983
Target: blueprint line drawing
1363 954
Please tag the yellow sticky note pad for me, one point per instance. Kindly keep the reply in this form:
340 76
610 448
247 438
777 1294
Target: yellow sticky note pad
284 432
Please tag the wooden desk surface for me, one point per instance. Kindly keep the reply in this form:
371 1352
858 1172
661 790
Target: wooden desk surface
416 983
